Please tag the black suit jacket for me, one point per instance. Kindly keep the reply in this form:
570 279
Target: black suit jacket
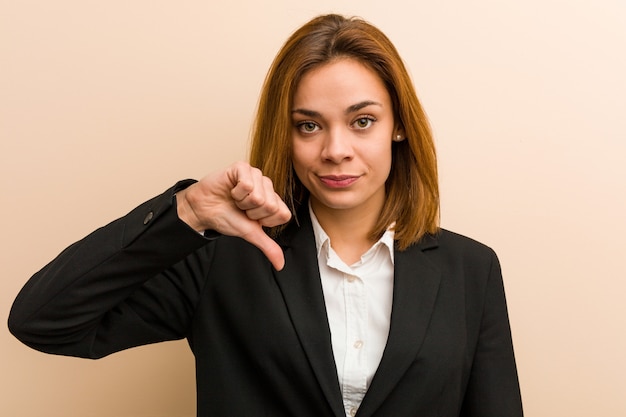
261 338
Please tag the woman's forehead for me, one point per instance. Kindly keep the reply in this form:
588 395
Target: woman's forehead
343 84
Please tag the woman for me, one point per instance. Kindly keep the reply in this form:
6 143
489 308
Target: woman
313 281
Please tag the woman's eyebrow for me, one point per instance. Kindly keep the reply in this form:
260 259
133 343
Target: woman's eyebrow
358 106
308 113
351 109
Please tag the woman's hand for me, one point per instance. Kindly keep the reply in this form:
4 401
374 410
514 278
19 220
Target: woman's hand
237 201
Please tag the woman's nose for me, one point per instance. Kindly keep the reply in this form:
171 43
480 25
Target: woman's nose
337 146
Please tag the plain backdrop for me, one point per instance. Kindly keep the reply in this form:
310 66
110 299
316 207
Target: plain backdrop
104 104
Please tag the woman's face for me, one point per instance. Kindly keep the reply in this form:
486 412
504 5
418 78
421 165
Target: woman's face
343 126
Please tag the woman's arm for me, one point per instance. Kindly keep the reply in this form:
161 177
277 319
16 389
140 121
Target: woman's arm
94 298
136 280
493 387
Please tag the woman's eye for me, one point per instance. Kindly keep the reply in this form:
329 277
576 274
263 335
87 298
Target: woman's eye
363 122
307 127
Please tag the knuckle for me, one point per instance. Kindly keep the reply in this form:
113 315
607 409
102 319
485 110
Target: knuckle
268 182
256 199
246 185
271 206
286 215
240 164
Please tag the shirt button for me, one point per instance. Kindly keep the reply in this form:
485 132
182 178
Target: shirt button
358 344
353 411
351 278
148 217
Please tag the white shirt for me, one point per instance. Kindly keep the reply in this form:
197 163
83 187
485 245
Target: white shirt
358 301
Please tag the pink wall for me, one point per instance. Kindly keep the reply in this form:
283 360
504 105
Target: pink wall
104 104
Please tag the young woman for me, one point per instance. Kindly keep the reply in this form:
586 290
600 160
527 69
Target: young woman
313 281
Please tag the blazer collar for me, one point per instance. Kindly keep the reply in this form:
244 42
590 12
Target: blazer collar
301 286
416 283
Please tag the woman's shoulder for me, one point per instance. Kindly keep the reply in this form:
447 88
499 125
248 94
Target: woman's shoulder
455 243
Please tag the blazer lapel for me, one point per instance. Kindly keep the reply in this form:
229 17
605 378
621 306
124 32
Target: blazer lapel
416 283
302 290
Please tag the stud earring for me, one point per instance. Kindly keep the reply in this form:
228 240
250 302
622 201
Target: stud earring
398 138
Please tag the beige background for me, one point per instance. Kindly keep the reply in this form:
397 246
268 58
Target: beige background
105 104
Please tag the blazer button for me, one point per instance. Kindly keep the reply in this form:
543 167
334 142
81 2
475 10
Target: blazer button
148 217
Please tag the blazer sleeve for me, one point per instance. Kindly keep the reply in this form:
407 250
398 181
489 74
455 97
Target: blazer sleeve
493 388
132 282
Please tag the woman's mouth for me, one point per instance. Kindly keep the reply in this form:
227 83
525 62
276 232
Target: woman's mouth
338 181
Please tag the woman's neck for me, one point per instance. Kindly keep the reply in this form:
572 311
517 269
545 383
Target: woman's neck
348 230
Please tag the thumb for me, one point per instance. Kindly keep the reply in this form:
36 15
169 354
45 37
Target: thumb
268 246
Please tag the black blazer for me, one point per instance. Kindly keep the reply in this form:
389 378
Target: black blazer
261 338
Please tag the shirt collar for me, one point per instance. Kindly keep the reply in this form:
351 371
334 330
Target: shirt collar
322 240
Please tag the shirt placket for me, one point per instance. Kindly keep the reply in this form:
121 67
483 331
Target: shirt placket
354 380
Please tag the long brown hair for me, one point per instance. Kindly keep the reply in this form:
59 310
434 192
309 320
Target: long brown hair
412 191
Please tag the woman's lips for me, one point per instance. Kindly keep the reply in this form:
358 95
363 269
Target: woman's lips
338 181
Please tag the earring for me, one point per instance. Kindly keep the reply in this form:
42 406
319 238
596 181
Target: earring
398 138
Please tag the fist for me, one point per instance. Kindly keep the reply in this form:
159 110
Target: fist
237 201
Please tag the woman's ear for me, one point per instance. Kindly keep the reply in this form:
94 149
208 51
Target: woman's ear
398 135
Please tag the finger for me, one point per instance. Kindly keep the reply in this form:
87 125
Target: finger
270 249
274 213
245 179
261 197
264 203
